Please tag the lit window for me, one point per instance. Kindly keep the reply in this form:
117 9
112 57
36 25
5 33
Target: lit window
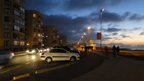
34 34
16 43
34 15
22 43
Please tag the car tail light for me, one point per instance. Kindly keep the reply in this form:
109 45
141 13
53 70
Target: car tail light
42 54
12 53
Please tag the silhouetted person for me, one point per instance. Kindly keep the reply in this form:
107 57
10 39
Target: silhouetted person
106 50
85 49
117 50
114 50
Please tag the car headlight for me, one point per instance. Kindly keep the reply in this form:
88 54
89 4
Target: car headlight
44 50
33 51
27 50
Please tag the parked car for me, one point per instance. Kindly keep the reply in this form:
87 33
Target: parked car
73 50
59 54
5 55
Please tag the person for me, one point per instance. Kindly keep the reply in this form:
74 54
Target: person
85 48
117 49
106 50
114 50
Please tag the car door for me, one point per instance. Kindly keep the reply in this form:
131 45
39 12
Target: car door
61 54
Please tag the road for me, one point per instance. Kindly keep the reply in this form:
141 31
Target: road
31 68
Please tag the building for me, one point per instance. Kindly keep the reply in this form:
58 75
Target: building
34 29
12 24
63 39
47 35
50 36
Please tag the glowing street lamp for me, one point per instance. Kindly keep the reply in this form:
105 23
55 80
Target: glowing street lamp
82 36
84 33
89 28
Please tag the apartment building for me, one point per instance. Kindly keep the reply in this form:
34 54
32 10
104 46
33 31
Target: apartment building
51 36
12 24
34 29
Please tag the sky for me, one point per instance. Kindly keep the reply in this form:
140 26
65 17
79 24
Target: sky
122 20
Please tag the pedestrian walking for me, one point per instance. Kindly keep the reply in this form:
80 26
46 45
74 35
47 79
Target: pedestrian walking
117 50
114 51
106 50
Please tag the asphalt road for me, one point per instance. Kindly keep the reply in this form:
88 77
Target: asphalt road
31 68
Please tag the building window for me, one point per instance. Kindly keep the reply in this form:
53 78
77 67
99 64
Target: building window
7 26
16 43
17 28
22 23
35 39
34 15
22 2
22 43
7 11
35 20
7 35
7 19
16 21
39 35
35 34
23 16
7 43
7 3
22 9
16 13
34 30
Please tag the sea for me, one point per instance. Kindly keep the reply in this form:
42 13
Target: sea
133 47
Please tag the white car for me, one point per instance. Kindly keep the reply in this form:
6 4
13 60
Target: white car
59 54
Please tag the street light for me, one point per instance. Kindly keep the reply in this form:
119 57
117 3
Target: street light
89 28
82 36
84 33
101 27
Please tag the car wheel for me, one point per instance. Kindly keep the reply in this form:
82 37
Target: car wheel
72 59
48 60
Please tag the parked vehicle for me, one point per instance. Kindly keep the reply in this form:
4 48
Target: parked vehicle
59 54
73 50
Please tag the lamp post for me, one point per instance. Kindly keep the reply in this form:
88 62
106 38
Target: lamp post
101 27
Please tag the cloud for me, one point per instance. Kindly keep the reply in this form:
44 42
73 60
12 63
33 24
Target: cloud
142 33
136 17
125 36
114 34
85 4
112 30
41 5
108 17
137 28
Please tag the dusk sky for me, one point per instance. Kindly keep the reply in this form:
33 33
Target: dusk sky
123 20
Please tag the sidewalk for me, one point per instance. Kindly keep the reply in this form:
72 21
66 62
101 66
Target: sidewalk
115 69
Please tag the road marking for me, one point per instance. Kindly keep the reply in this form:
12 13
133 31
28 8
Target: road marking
21 76
9 69
53 68
4 71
